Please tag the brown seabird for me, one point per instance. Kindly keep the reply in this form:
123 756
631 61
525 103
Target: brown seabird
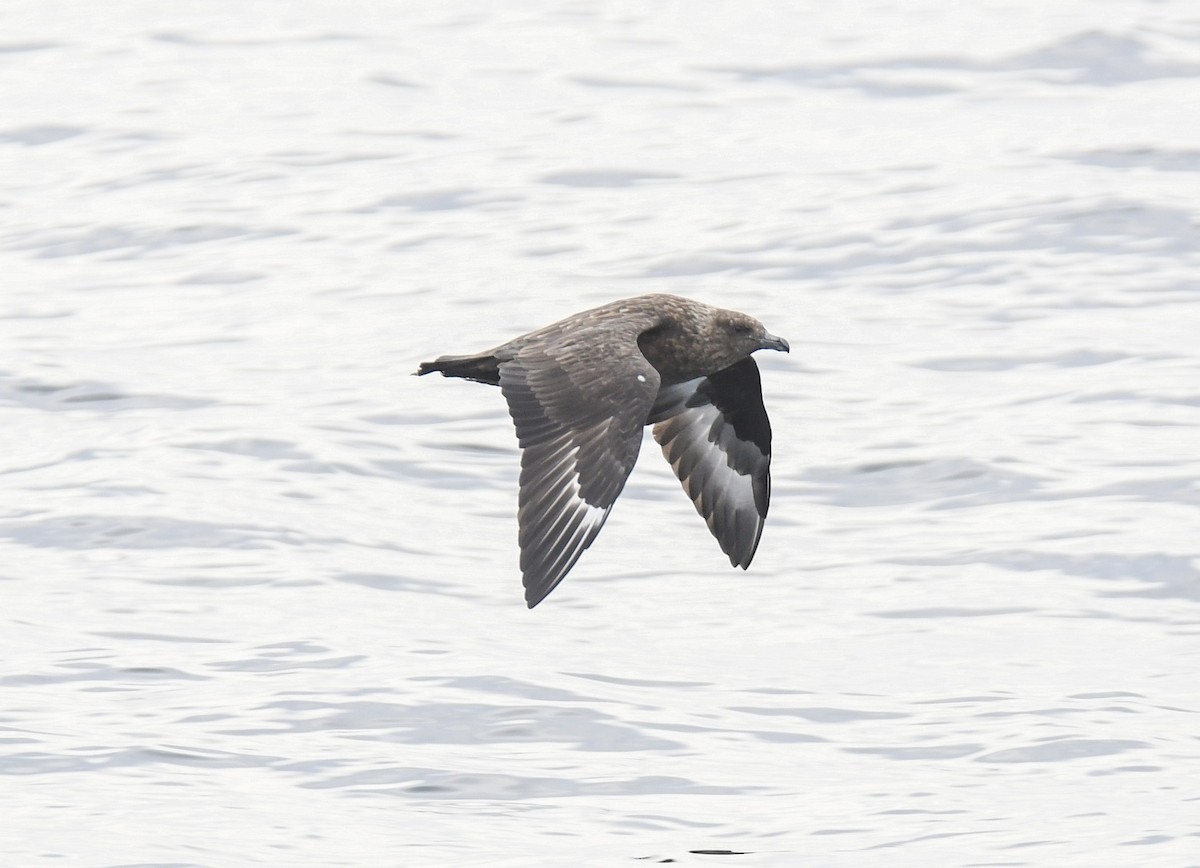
580 391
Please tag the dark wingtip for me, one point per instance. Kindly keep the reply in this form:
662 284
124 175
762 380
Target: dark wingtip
533 596
538 588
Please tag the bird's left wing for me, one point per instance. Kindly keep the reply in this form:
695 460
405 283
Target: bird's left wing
579 405
715 433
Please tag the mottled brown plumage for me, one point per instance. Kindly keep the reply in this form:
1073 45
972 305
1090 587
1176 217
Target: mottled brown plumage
580 391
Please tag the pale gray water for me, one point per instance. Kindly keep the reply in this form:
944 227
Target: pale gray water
261 604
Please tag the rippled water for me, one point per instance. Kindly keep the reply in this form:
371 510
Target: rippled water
261 603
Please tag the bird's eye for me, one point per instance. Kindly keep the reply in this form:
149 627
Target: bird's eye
741 328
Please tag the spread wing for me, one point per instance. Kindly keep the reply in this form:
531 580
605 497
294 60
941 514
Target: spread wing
579 406
715 433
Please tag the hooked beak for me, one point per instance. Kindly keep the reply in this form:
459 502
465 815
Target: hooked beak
770 342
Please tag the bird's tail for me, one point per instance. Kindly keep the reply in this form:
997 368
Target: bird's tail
481 367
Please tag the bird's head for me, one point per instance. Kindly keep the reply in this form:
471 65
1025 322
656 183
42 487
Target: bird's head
739 335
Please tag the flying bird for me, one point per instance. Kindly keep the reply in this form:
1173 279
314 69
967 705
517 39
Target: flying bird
580 391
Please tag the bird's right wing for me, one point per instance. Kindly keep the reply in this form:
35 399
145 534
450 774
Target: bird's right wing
715 433
579 406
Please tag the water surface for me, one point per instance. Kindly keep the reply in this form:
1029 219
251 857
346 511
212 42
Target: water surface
261 601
